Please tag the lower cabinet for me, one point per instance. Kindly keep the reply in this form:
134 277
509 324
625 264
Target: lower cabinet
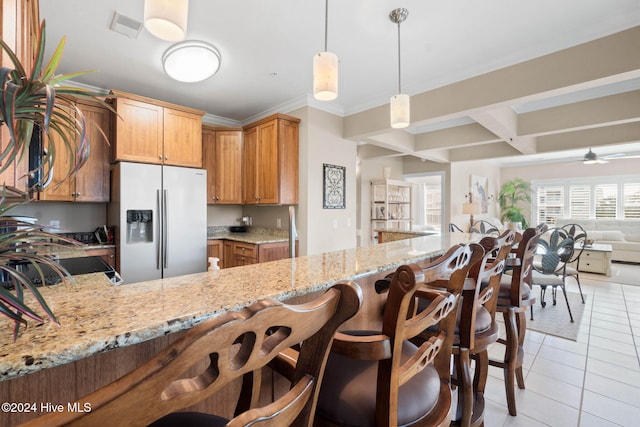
234 254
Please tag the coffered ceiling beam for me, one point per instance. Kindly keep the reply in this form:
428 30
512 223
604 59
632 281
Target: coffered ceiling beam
592 137
504 123
579 67
395 140
460 135
369 151
481 152
613 109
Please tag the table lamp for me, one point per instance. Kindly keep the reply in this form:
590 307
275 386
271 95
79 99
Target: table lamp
470 208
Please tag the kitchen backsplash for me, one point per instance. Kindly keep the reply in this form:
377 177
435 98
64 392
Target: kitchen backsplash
213 231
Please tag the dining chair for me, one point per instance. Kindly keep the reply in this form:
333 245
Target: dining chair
572 267
237 345
514 297
454 228
381 378
484 227
553 251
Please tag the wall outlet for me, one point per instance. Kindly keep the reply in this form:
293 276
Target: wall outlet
279 222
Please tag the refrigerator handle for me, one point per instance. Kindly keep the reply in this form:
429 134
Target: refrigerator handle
159 239
164 228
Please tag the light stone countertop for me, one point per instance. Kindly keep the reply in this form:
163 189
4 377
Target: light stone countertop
96 316
249 237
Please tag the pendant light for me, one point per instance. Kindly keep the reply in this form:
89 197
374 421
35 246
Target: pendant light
400 104
166 19
325 68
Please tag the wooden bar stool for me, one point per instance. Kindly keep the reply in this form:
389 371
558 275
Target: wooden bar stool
238 345
513 299
381 378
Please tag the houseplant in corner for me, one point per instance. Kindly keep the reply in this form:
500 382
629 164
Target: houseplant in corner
513 194
35 100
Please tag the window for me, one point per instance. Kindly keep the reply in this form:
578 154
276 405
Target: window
579 201
631 200
428 204
586 198
550 204
433 205
606 196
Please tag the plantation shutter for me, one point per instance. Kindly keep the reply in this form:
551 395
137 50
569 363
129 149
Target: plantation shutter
631 200
550 203
606 199
579 201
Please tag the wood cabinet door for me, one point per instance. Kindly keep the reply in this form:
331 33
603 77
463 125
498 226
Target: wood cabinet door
215 248
250 156
61 186
228 259
139 131
267 188
228 170
182 138
209 160
92 180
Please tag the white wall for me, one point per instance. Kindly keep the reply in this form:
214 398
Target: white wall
324 230
223 215
460 186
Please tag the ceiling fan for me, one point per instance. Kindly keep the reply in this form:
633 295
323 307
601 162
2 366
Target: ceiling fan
591 158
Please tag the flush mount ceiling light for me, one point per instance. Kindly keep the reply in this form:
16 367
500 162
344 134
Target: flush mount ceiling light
166 19
325 68
191 61
400 104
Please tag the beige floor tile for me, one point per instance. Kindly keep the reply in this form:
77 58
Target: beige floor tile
546 410
561 356
628 349
554 389
617 327
609 356
588 420
617 390
567 345
559 371
624 374
610 409
622 337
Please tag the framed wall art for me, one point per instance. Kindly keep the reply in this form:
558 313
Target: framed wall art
480 193
333 195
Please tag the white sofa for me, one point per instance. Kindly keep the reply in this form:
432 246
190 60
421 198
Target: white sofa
622 234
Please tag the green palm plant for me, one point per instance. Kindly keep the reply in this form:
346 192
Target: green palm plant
512 194
36 100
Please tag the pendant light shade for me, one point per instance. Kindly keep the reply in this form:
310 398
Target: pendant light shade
325 68
400 111
400 104
166 19
325 76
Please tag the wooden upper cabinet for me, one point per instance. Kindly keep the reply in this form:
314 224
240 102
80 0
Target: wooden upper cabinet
139 131
271 161
223 161
151 131
91 182
182 138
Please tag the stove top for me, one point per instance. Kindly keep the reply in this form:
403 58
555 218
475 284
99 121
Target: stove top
75 266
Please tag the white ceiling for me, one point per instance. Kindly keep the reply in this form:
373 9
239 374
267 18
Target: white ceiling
267 49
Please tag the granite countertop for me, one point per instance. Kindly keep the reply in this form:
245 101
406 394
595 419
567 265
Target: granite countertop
97 316
255 235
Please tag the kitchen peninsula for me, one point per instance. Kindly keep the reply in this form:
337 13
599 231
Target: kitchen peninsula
108 330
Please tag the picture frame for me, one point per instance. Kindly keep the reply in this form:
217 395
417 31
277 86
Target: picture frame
333 192
478 187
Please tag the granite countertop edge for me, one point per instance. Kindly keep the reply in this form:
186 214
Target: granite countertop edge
97 316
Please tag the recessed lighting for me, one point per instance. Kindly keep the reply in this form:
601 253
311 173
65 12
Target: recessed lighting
191 61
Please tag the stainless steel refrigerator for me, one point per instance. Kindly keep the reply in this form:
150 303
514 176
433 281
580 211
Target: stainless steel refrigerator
160 214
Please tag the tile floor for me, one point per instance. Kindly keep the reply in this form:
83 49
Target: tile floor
594 382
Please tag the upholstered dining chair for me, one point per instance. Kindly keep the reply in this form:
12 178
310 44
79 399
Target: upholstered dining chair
554 250
380 378
237 345
572 267
514 298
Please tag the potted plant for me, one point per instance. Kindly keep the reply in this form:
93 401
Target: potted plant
35 100
512 195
